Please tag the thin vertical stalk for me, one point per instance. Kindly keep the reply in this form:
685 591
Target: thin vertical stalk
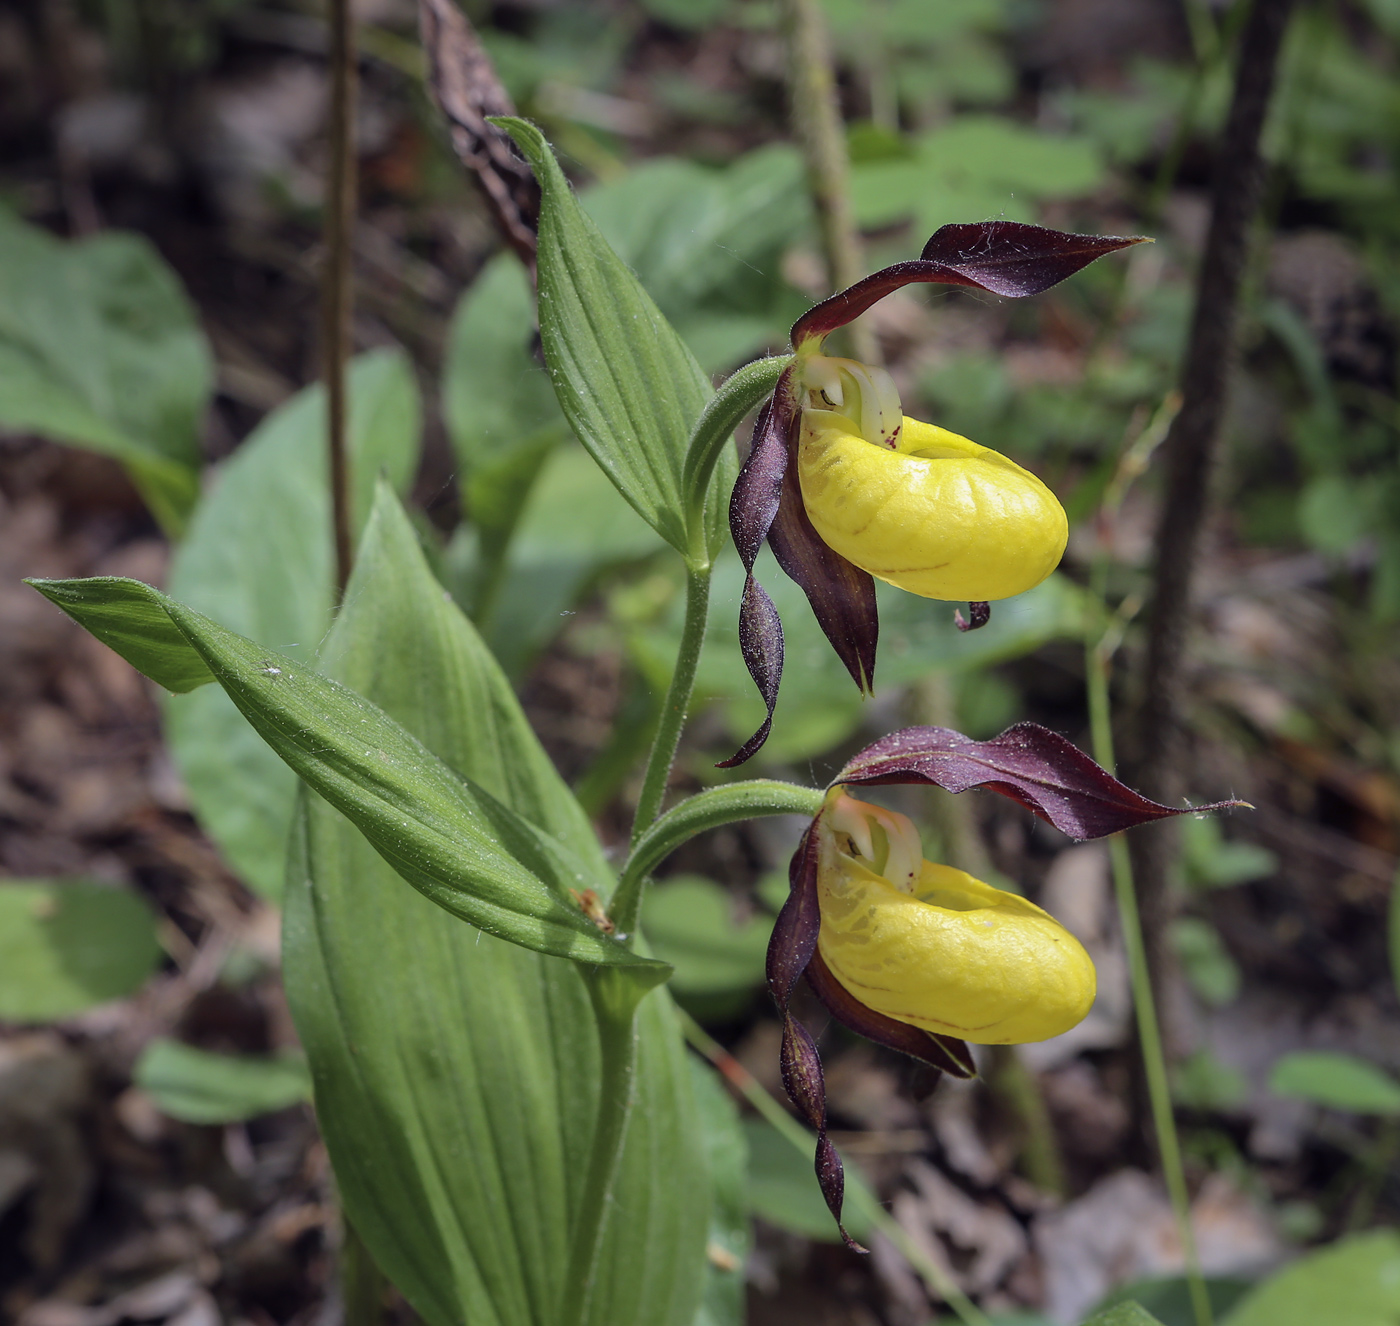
1190 454
752 1090
1099 649
336 298
614 1011
816 121
1097 661
677 702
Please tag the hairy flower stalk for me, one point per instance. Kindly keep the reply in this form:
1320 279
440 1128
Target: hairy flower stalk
847 490
920 957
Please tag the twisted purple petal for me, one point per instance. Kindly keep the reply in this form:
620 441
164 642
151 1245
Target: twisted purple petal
792 946
753 505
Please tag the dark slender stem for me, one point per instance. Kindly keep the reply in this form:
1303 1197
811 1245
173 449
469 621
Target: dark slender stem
1190 452
336 296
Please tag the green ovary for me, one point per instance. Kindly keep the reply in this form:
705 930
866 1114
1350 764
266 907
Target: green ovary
955 956
938 515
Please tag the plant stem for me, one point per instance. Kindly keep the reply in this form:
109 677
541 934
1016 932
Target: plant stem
1189 454
705 810
614 1008
336 295
677 703
748 1086
1097 663
816 121
362 1283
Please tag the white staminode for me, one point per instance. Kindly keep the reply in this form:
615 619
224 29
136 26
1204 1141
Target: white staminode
863 395
879 833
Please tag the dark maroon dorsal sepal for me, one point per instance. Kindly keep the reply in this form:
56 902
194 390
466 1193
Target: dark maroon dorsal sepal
1007 258
1042 770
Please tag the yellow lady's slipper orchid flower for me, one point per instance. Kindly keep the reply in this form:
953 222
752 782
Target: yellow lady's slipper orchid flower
932 946
913 504
846 490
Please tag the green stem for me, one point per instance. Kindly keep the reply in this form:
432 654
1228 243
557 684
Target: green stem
614 1007
705 810
741 392
677 702
757 1095
1149 1032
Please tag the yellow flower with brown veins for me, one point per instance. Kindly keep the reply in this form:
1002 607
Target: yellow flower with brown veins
846 489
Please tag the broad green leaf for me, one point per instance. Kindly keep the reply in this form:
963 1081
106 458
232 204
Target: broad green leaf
258 559
1168 1298
1213 974
1123 1314
708 246
1213 861
458 845
456 1075
199 1087
100 348
973 167
1354 1282
689 922
626 382
731 1233
783 1188
1338 1081
66 945
574 527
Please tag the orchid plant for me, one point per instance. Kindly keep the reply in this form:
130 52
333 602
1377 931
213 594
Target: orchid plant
500 1080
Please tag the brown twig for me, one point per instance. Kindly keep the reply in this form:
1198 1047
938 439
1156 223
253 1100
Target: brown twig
337 298
1189 454
464 84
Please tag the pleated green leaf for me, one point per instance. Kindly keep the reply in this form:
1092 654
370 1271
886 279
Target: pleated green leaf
258 560
101 348
626 382
455 843
456 1076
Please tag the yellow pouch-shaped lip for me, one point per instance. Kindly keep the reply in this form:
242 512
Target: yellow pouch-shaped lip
939 515
956 956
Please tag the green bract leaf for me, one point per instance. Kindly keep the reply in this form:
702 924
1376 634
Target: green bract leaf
100 348
456 1075
199 1087
1355 1282
66 945
123 615
258 560
1339 1081
625 380
456 844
